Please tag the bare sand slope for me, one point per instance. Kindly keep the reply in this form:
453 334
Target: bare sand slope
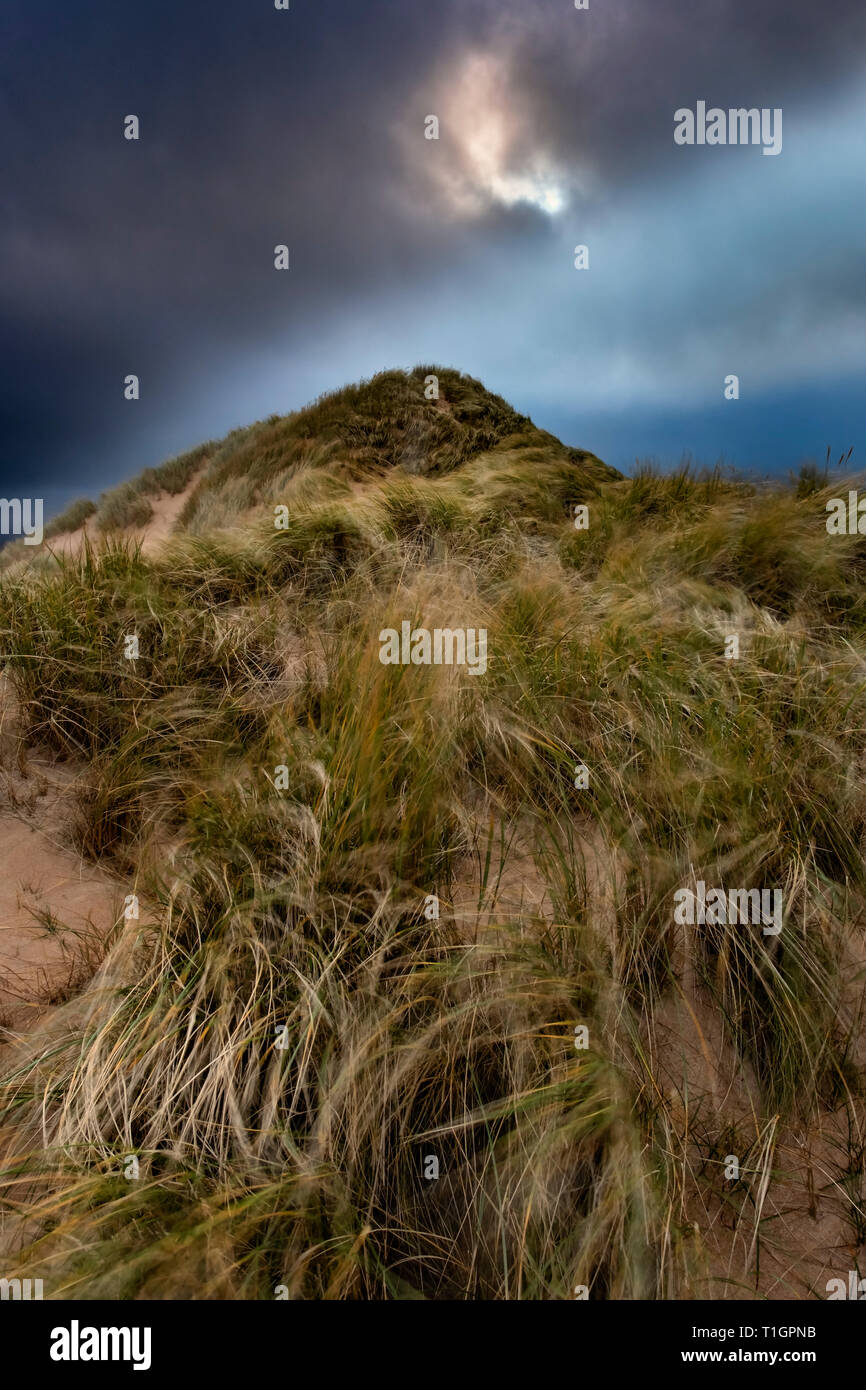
55 916
56 911
167 507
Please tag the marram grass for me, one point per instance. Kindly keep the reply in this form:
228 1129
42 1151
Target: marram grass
287 1039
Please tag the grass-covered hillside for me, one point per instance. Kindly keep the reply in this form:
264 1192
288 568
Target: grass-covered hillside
331 1091
353 435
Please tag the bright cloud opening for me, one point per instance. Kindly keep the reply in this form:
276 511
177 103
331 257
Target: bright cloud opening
486 139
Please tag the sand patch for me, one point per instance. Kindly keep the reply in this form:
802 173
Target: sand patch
56 911
56 914
166 508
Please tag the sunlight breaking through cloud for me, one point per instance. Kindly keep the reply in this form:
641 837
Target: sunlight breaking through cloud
490 153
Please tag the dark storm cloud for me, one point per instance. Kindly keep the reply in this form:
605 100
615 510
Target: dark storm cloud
151 256
602 85
260 127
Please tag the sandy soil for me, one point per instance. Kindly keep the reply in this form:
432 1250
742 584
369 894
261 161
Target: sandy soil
55 916
167 507
786 1229
56 911
779 1238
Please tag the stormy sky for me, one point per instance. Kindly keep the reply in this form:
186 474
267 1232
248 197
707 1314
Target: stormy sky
306 127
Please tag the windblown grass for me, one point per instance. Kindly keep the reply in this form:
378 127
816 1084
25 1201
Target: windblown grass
294 1039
